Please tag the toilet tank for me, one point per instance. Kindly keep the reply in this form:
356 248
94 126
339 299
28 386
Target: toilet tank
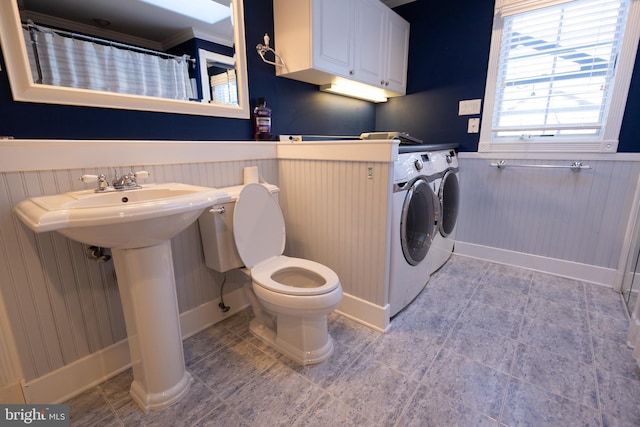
216 231
218 245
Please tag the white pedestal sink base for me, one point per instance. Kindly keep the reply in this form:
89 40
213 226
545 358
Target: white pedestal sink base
155 401
146 282
137 226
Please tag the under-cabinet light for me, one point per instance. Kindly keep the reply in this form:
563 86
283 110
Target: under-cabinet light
365 92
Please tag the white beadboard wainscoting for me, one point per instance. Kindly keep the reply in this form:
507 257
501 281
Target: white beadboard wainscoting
558 221
65 322
62 327
338 214
336 199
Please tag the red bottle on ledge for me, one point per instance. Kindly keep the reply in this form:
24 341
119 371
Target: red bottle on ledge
262 121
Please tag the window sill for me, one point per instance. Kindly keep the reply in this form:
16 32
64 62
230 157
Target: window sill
549 147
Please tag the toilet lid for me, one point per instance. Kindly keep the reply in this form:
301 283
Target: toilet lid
258 225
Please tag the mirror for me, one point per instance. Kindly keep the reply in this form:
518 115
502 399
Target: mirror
117 22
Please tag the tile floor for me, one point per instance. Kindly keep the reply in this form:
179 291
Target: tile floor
483 345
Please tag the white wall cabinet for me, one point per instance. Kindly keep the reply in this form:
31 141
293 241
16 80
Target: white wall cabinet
395 75
361 40
370 42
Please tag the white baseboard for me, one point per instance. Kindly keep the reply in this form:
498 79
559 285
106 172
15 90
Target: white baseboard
199 318
365 312
62 384
573 270
11 394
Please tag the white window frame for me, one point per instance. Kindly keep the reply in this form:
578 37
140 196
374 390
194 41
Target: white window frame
205 57
607 142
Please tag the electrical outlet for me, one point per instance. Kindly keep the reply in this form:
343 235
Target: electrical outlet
469 107
473 126
290 138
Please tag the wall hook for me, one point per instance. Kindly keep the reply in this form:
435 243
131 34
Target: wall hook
264 48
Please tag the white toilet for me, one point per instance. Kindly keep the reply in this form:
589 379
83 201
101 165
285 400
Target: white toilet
290 297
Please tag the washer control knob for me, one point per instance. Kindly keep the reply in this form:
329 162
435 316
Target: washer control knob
418 164
449 159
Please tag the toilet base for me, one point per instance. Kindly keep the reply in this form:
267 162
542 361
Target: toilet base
319 354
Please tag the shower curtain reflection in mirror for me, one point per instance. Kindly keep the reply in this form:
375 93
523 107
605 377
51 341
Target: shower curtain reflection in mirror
63 60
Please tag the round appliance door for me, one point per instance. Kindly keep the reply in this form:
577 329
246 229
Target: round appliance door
418 221
450 198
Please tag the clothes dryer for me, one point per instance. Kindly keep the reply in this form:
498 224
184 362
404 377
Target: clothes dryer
444 165
416 210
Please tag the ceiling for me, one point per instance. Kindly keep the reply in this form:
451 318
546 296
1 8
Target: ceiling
155 27
132 21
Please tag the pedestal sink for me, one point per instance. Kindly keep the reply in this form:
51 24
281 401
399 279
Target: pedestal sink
136 225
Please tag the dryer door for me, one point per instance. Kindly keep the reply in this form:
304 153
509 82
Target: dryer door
418 225
450 198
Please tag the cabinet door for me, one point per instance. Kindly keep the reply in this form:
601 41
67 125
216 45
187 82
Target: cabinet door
333 36
370 42
398 53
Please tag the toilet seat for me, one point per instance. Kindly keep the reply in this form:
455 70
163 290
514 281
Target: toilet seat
263 275
259 234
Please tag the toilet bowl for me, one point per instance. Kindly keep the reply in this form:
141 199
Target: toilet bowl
290 297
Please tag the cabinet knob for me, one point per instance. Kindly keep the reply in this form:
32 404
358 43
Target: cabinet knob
386 83
351 72
381 82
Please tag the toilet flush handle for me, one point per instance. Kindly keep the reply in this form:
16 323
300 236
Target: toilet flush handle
218 209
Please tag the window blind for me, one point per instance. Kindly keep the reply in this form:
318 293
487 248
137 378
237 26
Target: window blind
556 69
224 87
511 7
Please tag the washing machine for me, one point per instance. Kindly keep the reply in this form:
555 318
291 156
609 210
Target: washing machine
445 179
416 210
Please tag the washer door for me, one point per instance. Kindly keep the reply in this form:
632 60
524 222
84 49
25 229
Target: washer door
450 198
418 222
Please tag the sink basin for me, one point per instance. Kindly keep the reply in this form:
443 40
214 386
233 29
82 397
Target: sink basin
136 225
120 219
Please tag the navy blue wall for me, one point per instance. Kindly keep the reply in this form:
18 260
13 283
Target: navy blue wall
298 108
630 131
448 56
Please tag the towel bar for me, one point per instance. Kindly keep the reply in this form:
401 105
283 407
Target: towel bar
575 166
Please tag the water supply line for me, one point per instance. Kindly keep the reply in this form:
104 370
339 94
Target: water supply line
97 253
222 306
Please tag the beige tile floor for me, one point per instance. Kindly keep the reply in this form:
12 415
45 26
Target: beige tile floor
482 345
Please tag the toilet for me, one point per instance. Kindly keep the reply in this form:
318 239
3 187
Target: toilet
290 297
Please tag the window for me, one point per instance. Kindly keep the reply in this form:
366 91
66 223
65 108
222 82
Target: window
224 89
218 78
559 73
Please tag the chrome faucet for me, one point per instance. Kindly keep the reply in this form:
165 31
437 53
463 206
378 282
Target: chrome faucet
102 183
126 182
120 183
